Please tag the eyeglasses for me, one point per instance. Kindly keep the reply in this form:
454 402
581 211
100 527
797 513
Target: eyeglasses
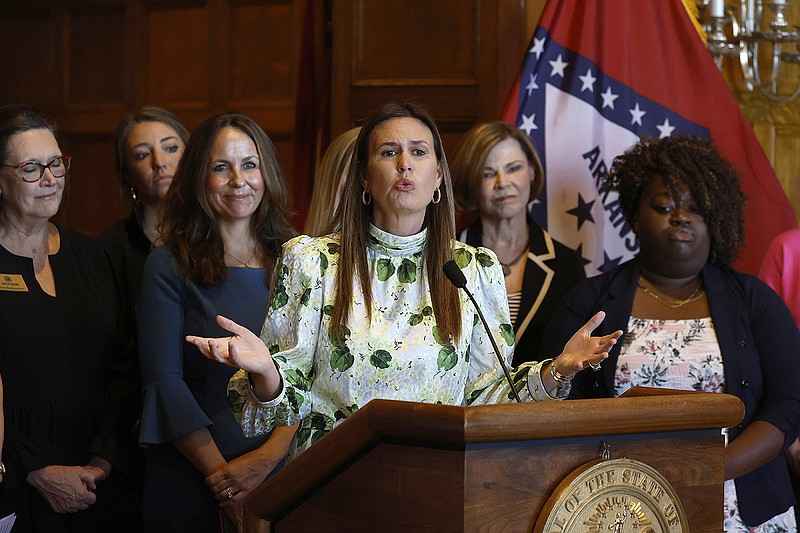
32 171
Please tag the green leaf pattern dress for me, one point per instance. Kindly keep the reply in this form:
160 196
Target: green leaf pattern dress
400 355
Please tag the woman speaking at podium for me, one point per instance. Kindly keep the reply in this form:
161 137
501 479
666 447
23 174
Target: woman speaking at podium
367 312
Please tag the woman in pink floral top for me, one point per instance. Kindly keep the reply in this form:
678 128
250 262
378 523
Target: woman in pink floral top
691 322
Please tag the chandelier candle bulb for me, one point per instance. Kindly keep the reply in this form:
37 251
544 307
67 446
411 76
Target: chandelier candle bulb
740 36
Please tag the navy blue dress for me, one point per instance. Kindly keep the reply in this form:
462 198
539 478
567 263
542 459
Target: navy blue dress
184 391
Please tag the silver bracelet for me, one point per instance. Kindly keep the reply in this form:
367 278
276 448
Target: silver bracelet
557 376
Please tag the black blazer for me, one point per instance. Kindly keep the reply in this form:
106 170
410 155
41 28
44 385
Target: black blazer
551 271
128 247
760 347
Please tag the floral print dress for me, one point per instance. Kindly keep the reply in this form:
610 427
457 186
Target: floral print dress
399 355
684 354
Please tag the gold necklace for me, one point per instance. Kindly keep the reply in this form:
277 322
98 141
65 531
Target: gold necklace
245 264
673 304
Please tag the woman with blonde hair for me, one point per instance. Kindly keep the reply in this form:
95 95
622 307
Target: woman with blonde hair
496 174
328 183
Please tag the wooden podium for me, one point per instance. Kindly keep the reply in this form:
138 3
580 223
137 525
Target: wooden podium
402 466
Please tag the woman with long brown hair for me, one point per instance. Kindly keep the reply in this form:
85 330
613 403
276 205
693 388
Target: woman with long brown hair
148 146
223 226
368 312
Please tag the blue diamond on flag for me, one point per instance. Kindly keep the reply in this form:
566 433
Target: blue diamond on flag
580 119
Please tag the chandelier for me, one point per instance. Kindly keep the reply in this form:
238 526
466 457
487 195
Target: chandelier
758 32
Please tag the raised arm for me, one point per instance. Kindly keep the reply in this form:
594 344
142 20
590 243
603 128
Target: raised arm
533 381
278 368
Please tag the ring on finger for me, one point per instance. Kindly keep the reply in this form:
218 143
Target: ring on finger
228 493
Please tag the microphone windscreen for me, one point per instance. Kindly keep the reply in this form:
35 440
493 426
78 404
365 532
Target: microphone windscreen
454 274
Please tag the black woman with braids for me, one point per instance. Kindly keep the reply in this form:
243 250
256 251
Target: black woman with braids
694 323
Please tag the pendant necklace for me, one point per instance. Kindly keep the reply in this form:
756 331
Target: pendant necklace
507 266
245 264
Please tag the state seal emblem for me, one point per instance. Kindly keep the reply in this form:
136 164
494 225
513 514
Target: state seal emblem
613 496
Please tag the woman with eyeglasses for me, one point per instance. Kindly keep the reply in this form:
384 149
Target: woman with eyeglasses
57 338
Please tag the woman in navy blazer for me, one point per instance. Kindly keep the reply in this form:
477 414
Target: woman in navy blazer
685 204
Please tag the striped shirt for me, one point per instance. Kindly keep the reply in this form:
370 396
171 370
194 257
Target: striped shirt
514 300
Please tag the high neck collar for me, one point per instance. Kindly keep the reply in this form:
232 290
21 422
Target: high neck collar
396 245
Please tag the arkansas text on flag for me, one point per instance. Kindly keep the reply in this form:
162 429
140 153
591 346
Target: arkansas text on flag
600 75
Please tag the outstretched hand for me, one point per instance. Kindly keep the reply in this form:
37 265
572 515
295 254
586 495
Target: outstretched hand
583 350
243 349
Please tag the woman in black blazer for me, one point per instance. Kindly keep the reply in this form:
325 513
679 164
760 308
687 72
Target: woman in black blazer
496 174
692 322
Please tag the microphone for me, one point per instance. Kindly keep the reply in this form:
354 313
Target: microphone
458 279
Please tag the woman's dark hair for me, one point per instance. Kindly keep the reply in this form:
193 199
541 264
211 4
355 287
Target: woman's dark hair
694 162
123 130
353 219
18 118
190 228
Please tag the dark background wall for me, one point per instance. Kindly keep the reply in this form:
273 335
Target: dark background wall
304 69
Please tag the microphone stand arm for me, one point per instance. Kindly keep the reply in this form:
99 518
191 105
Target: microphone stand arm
494 345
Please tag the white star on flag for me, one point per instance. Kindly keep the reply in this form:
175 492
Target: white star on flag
558 66
587 81
532 86
636 115
538 47
608 98
527 123
666 129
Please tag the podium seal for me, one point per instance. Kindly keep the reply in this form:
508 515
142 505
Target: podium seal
613 496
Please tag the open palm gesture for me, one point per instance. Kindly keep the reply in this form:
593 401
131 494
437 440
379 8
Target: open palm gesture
243 349
583 350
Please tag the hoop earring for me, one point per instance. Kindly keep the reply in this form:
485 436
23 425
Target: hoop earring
366 197
437 196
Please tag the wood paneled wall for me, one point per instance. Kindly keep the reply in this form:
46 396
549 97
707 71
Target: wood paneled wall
89 62
458 58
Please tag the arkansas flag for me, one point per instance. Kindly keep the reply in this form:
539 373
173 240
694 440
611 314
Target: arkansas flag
599 76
